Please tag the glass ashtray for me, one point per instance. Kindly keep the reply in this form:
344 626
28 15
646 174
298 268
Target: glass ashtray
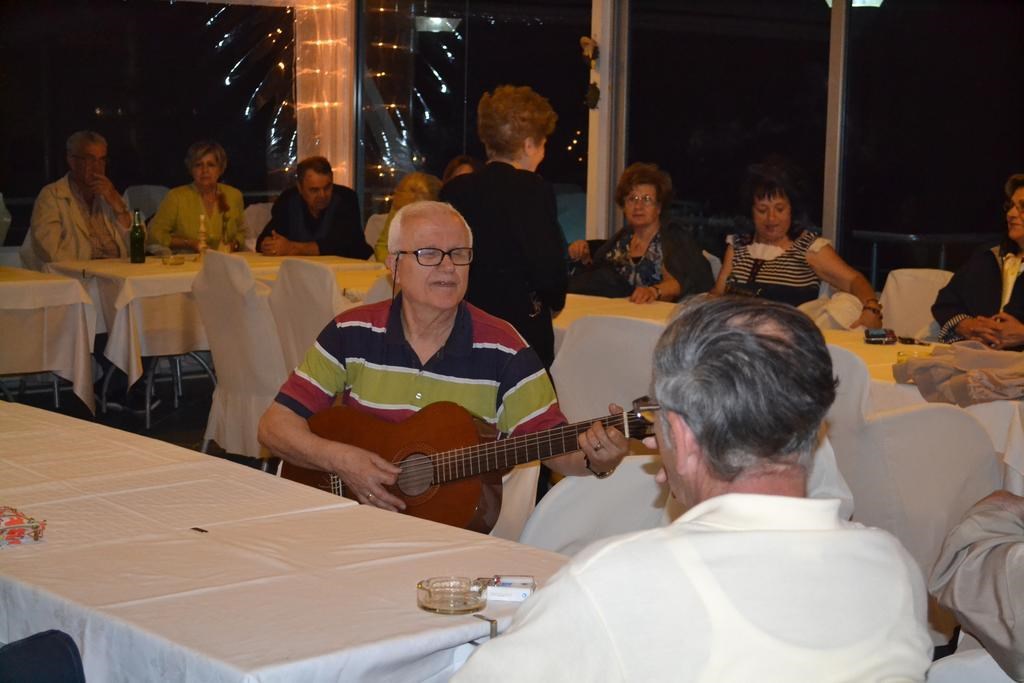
452 594
175 260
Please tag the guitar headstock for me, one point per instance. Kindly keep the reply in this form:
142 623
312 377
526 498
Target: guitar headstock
641 417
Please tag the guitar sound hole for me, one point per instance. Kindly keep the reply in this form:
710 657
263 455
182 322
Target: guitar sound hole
417 475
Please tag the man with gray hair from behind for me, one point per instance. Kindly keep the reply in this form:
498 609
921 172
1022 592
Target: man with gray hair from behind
80 216
755 581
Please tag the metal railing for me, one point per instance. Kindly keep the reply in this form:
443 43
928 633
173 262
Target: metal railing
941 240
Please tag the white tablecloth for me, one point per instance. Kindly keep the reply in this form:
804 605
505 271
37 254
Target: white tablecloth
47 323
167 564
147 309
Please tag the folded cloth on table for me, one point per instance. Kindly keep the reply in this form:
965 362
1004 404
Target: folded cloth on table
965 373
838 312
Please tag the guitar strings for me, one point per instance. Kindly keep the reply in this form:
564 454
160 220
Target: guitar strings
460 461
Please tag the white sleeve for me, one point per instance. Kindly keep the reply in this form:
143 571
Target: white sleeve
819 244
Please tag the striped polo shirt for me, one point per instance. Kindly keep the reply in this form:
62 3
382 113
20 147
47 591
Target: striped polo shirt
485 367
787 278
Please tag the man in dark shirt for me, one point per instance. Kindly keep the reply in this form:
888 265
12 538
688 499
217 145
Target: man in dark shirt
316 217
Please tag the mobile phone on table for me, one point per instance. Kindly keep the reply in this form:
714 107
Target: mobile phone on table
879 335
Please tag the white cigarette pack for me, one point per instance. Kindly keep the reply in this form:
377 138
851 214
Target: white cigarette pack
511 588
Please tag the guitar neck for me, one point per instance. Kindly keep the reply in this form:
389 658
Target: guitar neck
507 453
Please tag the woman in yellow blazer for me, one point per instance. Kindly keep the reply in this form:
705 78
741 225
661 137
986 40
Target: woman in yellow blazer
176 223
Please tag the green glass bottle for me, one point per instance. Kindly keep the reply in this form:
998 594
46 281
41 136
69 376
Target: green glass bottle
137 239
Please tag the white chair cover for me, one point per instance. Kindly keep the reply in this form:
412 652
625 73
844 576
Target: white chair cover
380 290
914 471
518 498
235 310
304 299
973 666
374 227
256 218
145 198
602 360
580 510
907 300
582 352
714 262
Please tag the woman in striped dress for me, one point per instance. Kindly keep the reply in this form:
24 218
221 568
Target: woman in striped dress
781 260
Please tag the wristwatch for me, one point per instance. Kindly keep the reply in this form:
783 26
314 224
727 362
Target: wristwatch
599 475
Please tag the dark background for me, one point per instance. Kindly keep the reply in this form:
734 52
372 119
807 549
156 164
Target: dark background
933 113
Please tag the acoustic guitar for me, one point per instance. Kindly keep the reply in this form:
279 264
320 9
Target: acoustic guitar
451 466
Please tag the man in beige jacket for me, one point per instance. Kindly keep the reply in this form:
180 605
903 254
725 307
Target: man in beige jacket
81 216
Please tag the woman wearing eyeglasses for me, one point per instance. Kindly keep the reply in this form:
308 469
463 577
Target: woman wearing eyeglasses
637 253
781 260
177 222
518 269
984 300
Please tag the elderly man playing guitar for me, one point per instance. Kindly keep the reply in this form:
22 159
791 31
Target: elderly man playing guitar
391 360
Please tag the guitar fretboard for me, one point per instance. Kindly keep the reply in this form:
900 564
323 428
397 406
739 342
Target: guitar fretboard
507 453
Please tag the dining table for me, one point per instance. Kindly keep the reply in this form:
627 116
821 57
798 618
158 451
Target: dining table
147 309
167 564
1003 420
47 322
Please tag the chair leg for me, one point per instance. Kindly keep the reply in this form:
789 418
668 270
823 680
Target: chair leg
106 387
177 381
206 367
56 390
149 393
205 446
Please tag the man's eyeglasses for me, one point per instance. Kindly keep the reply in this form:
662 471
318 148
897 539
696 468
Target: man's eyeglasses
1007 205
89 159
644 199
430 256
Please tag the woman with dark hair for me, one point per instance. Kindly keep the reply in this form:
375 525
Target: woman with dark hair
460 165
518 271
176 223
638 254
985 299
781 260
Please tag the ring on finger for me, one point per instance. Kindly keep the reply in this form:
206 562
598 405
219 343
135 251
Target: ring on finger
599 446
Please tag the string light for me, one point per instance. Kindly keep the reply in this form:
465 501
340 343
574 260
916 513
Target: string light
318 105
390 46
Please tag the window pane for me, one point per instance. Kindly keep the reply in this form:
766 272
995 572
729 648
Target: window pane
718 85
428 63
933 121
151 77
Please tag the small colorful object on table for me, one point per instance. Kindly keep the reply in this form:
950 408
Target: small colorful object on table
17 528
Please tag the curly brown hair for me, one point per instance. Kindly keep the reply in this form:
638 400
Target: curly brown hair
644 174
510 115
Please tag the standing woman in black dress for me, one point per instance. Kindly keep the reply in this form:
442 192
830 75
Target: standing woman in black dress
518 271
